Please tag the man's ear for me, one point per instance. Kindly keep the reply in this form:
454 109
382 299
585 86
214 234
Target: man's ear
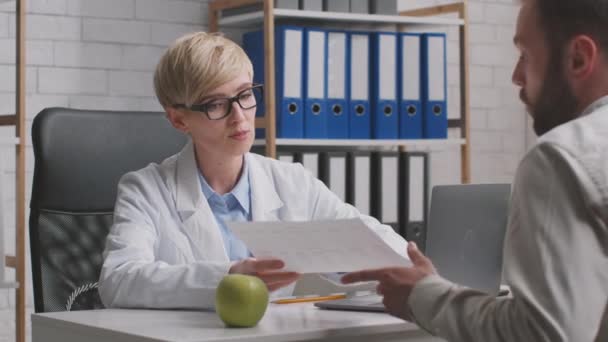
582 57
177 119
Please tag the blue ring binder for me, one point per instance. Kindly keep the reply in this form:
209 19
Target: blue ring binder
293 108
384 124
434 94
411 110
437 110
359 110
337 110
388 110
316 109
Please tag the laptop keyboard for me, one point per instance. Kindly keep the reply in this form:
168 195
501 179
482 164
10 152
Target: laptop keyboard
372 299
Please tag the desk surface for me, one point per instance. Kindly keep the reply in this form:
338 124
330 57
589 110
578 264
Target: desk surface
291 322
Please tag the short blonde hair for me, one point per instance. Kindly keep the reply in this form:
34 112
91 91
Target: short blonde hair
195 64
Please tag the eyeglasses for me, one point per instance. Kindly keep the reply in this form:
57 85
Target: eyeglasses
218 109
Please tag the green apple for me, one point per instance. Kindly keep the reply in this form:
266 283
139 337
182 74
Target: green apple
241 300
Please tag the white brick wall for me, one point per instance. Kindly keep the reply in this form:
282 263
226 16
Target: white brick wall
47 6
4 25
101 54
117 31
131 83
164 33
87 55
84 54
140 57
53 27
72 81
123 9
170 11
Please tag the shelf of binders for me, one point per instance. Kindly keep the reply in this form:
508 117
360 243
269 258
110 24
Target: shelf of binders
271 45
312 16
365 142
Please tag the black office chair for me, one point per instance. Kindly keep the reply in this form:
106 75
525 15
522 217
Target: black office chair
80 156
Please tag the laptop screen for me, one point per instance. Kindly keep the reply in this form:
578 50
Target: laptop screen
465 233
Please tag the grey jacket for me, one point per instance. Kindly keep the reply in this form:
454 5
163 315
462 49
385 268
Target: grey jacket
555 252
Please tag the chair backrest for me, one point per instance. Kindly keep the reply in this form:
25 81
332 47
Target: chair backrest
466 232
80 156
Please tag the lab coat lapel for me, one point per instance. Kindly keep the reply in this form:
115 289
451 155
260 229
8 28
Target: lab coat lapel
264 199
198 221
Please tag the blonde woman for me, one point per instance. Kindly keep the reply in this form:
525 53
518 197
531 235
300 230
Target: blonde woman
169 246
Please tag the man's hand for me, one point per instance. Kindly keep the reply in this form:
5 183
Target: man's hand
267 270
396 283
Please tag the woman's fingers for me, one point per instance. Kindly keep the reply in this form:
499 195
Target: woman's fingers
276 277
275 286
267 271
270 264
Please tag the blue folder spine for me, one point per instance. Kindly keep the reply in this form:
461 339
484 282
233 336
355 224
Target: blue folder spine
315 67
385 115
337 84
434 96
253 43
410 86
289 107
359 58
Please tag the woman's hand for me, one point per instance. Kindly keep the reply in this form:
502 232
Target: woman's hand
267 270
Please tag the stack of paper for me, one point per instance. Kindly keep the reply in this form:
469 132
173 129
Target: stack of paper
319 246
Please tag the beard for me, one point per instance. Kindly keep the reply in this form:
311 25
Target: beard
556 103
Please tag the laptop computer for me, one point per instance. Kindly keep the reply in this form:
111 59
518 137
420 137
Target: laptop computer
465 234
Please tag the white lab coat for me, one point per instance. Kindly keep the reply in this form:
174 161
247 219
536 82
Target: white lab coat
165 249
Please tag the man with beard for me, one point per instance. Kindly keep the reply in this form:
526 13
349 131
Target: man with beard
556 246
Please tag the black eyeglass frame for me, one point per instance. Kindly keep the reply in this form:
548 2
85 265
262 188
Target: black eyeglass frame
202 108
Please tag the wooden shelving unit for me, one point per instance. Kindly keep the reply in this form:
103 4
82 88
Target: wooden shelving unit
358 142
460 8
17 119
426 16
255 18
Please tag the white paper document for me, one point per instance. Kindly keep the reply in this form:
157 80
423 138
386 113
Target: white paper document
319 246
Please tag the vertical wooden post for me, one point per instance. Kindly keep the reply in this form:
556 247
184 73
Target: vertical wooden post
461 9
465 150
269 79
20 171
213 17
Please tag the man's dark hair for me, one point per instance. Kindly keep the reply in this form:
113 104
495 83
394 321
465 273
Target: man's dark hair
564 19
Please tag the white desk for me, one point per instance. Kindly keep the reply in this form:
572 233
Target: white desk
288 322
